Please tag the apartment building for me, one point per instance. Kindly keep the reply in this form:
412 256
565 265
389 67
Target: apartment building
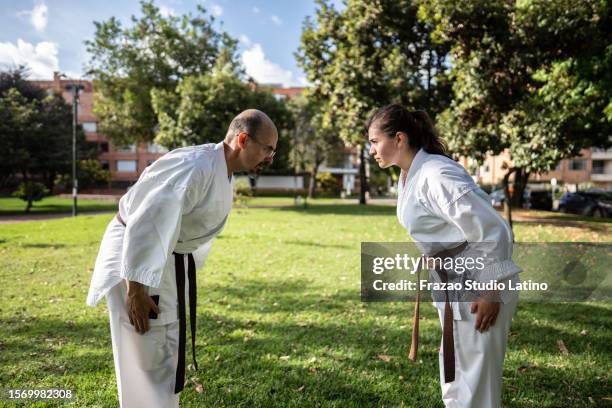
592 166
125 163
345 166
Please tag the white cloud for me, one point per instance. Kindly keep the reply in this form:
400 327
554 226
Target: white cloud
246 41
276 20
41 58
166 11
255 10
216 10
303 81
263 70
38 16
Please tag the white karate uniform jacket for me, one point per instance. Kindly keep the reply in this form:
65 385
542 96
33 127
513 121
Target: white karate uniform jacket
179 204
440 206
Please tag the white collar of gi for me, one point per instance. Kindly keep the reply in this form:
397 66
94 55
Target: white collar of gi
417 162
222 162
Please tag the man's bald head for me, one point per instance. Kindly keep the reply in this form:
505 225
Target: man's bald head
250 121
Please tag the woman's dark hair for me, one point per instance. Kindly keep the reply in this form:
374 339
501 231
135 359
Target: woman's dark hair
416 124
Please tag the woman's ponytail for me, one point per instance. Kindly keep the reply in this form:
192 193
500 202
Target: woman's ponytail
417 125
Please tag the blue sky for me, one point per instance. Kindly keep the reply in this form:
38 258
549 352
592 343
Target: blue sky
48 35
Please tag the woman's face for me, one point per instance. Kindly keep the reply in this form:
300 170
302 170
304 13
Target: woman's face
386 150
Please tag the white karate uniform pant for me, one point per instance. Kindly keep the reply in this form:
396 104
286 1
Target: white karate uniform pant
479 359
145 364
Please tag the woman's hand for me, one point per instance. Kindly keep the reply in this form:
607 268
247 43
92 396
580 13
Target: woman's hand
486 308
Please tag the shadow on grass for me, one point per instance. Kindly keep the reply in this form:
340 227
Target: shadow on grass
275 357
316 244
576 217
346 343
590 225
50 346
536 328
45 246
267 351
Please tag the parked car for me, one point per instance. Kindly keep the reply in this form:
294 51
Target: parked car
538 200
594 204
497 197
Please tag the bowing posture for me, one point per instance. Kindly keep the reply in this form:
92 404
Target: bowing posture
149 253
449 216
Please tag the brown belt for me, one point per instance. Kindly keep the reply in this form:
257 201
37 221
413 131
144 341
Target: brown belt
179 266
448 342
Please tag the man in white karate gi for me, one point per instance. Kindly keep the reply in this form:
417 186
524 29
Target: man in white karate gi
146 264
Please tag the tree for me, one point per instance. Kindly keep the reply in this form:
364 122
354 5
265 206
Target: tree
532 77
54 155
201 107
91 173
370 54
36 131
30 191
312 142
18 125
155 54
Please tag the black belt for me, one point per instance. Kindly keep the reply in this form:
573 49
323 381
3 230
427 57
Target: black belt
179 266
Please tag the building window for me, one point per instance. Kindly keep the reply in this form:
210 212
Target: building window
126 149
89 127
280 97
104 164
558 167
104 147
598 166
154 148
577 164
127 166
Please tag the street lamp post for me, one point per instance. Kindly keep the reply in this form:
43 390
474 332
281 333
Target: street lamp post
75 88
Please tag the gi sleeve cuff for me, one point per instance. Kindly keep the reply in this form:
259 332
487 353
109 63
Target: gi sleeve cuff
146 276
497 271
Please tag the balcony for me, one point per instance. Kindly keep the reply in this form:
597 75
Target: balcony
601 177
601 154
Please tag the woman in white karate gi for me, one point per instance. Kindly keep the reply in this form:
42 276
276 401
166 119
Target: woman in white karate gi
163 231
444 211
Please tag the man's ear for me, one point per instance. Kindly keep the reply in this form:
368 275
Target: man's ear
242 138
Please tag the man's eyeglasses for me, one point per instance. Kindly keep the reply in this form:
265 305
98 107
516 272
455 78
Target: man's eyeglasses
270 152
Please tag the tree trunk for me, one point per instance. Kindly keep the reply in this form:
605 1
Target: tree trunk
520 182
507 202
519 188
29 206
50 182
363 183
312 183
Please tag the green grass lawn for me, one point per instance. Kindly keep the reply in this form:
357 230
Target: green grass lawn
52 205
55 204
280 321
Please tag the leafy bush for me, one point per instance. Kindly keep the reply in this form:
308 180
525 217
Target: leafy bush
30 191
327 183
242 193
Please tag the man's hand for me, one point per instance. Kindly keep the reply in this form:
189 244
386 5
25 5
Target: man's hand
138 305
486 308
